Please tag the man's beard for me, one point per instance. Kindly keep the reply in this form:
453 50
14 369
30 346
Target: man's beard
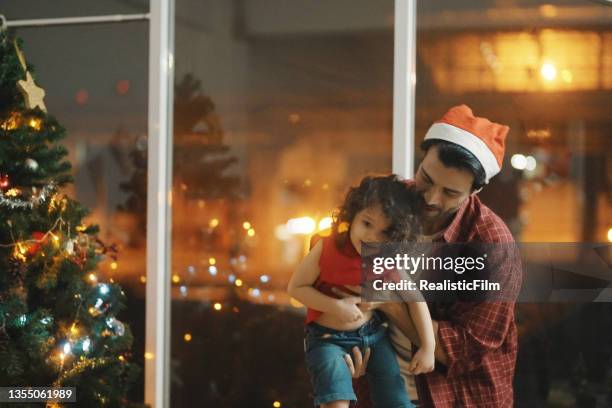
433 213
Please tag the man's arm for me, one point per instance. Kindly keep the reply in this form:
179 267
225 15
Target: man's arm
476 329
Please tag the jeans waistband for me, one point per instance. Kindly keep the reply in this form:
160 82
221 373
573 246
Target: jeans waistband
370 326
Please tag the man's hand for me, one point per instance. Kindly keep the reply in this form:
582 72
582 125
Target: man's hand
358 367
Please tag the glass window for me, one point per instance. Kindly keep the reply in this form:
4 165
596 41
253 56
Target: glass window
544 70
279 107
541 69
95 79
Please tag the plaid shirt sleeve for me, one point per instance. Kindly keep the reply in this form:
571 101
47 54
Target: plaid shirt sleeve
474 329
478 331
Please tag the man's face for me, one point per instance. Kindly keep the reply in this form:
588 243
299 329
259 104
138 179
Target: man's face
443 188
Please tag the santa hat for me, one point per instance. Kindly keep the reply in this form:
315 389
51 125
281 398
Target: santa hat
481 137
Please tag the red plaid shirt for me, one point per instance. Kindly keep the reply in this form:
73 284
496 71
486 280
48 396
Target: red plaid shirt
480 339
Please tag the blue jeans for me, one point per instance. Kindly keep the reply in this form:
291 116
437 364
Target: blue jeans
331 379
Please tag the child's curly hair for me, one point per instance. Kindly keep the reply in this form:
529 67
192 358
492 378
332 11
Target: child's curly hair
398 202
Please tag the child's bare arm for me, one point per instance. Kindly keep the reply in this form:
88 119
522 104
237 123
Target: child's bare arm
302 281
423 360
419 312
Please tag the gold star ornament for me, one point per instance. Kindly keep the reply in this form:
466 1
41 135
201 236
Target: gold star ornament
32 93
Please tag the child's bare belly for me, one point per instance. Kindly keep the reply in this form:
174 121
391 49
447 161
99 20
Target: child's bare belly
331 321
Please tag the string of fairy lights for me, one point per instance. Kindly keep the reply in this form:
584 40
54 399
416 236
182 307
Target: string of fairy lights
72 342
56 245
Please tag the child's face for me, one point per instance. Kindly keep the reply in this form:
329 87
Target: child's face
369 225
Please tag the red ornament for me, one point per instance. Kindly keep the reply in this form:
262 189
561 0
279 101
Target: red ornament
38 236
4 181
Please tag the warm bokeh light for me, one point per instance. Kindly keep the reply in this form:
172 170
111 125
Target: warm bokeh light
238 282
35 123
81 97
610 235
518 61
13 192
187 337
343 227
567 76
176 278
122 87
281 233
518 161
530 163
143 279
548 71
149 356
548 10
276 404
294 118
218 306
23 248
114 265
212 261
246 225
213 223
93 277
302 225
325 223
251 232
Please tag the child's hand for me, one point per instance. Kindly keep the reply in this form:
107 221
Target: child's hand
369 306
347 309
349 291
422 362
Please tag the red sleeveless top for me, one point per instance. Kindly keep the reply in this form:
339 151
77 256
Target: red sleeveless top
338 267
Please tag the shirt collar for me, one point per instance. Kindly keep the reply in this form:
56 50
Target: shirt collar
453 231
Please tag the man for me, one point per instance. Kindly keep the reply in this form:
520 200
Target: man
476 343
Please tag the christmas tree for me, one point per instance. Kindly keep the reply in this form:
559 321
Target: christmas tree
198 145
203 164
58 318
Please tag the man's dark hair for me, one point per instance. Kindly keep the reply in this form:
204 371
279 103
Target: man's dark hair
453 155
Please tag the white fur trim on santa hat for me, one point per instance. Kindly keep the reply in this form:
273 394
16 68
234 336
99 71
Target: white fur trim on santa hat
472 143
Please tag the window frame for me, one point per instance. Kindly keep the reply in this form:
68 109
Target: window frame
159 171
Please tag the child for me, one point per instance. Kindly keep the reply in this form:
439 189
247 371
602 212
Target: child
380 209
